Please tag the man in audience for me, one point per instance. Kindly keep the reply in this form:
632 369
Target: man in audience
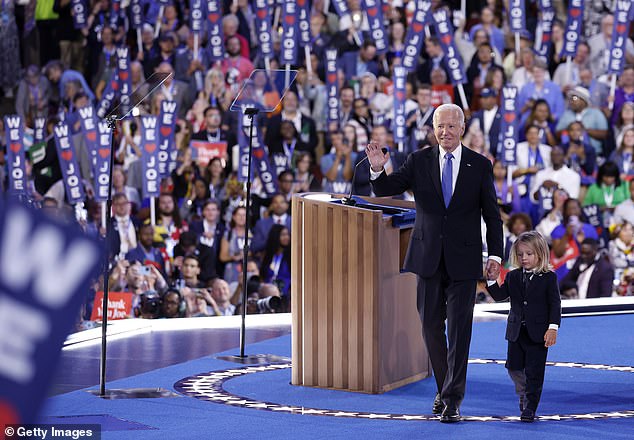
592 276
278 215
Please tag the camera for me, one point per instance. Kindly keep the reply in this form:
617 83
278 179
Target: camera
271 304
145 270
149 306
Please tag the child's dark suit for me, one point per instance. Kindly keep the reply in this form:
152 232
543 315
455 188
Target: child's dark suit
535 304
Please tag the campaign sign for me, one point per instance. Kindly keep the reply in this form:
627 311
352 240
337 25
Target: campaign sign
303 22
149 156
260 156
374 12
80 16
136 14
415 36
445 32
546 19
288 53
332 87
45 270
109 95
166 136
102 161
341 7
89 128
573 28
203 151
196 16
114 14
400 78
214 23
39 133
125 78
263 28
68 163
619 37
14 133
517 17
119 306
508 127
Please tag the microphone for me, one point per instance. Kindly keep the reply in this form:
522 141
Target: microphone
349 200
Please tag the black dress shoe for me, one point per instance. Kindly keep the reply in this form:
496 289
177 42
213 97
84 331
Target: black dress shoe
528 415
438 405
451 414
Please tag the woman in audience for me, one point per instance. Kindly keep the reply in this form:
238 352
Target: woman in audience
119 179
304 179
555 216
232 245
608 191
215 176
621 248
541 117
276 263
622 156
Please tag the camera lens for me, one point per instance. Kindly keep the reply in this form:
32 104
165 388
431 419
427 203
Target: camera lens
269 304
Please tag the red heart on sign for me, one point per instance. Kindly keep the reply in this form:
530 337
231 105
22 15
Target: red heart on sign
576 12
91 136
620 28
165 131
546 38
509 117
213 17
259 153
400 96
123 75
301 3
114 85
150 148
372 12
332 78
67 155
104 152
261 14
289 19
15 147
417 27
446 39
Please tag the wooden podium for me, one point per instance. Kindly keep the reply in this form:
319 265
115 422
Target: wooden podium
355 321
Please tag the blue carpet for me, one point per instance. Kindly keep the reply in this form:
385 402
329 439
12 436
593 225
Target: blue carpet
594 340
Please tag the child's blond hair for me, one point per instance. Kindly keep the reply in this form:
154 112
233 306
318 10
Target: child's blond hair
538 243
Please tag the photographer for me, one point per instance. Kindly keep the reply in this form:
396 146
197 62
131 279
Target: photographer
144 282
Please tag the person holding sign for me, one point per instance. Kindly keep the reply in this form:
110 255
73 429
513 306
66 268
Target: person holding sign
453 189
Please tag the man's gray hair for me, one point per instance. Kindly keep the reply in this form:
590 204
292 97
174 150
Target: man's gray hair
447 108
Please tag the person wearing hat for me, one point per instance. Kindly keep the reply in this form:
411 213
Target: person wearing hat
540 87
166 54
489 119
593 120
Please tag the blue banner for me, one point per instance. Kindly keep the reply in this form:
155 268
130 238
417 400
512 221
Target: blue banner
149 156
216 36
39 133
80 15
260 157
136 14
508 126
415 36
196 16
619 37
89 128
46 270
166 138
374 12
574 29
303 23
546 19
115 12
263 28
288 55
445 32
16 158
109 95
332 87
517 17
125 79
102 162
341 7
68 163
400 78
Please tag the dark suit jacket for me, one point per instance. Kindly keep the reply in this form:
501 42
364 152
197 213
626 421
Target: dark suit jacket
539 304
601 280
361 183
494 131
272 136
453 232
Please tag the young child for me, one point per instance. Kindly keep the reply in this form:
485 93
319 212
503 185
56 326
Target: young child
534 317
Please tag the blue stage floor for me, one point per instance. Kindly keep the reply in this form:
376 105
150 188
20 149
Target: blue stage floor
589 391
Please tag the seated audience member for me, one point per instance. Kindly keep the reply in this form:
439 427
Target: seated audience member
580 156
173 305
232 245
592 275
137 279
145 252
189 246
337 165
221 296
276 262
541 116
305 180
558 175
608 191
555 215
621 248
277 216
516 225
624 211
623 155
123 239
592 119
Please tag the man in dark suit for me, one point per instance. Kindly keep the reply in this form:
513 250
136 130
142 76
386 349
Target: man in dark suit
592 275
489 120
279 215
453 188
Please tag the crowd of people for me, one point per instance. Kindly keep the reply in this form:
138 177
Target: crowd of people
572 180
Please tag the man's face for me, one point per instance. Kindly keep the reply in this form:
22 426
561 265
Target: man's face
379 133
166 205
190 269
233 46
576 103
488 102
290 102
368 53
213 119
423 97
146 236
588 253
347 97
448 128
220 291
286 184
121 207
210 213
171 304
557 156
279 205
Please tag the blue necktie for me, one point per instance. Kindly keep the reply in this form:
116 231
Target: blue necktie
447 179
